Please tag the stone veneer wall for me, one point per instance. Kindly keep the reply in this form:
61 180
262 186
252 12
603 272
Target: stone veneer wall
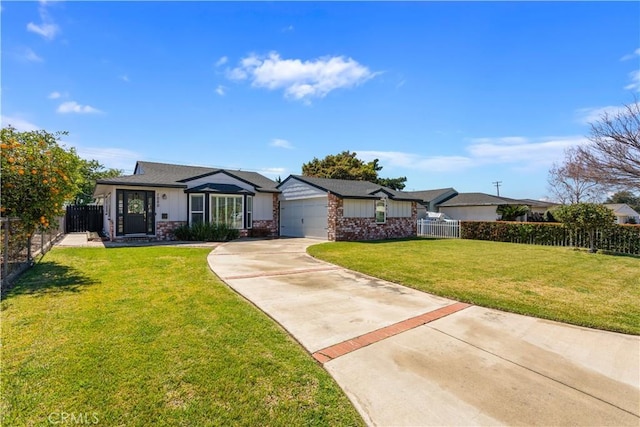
341 228
164 229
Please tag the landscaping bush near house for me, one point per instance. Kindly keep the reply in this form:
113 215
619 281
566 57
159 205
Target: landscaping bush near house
624 239
206 232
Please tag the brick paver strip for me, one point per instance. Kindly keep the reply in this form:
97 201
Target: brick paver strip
280 273
340 349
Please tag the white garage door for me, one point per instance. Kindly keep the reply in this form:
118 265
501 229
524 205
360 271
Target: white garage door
304 218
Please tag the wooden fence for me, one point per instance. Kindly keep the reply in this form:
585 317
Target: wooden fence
81 218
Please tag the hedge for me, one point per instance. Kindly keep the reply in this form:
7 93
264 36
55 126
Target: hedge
623 239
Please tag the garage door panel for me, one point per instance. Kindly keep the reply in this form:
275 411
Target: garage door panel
304 218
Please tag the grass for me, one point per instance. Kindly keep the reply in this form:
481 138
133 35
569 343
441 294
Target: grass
593 290
149 336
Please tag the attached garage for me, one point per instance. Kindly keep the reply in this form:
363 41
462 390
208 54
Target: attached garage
304 218
337 209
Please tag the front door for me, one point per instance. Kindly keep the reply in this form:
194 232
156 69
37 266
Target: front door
136 212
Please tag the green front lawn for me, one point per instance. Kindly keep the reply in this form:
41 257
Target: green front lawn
594 290
149 336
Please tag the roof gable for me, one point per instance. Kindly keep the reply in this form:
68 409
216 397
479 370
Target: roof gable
350 189
169 175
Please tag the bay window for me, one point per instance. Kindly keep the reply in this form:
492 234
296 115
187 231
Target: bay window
227 210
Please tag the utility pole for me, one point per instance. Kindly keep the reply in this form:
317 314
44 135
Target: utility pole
497 184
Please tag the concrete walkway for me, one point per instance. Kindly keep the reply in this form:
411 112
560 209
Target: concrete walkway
409 358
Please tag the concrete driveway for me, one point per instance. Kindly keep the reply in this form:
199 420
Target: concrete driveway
405 357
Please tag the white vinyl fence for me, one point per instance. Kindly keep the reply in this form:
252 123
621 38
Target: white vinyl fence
444 229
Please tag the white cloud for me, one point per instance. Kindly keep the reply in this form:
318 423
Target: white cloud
54 95
590 115
221 90
519 152
125 78
223 60
631 55
526 153
117 158
635 81
48 28
273 173
281 143
301 80
288 29
30 55
48 31
19 124
74 107
417 161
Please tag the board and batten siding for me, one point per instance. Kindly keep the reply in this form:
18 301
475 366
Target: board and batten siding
263 207
360 208
396 209
355 208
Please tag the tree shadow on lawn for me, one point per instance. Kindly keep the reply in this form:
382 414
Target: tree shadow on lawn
48 277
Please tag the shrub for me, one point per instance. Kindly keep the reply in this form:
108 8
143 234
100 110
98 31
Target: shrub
623 239
206 232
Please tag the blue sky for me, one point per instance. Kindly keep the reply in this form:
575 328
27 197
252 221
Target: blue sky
448 94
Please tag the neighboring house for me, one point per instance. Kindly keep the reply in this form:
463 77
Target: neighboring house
336 209
482 207
159 197
430 199
624 213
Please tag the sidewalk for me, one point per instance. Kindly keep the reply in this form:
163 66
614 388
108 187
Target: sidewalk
409 358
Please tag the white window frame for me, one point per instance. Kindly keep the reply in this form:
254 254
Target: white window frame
213 209
191 211
249 213
376 205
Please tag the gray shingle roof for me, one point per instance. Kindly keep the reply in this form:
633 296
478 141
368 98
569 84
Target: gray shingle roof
169 175
482 199
353 189
429 195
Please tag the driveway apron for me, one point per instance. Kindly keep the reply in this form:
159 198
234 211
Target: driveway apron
405 357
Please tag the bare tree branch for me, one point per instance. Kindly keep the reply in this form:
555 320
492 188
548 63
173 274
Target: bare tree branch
570 182
613 156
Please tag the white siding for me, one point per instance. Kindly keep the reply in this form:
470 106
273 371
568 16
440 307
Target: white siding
263 207
294 189
175 205
397 209
470 213
355 208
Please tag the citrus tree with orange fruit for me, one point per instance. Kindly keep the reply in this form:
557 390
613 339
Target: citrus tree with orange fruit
38 176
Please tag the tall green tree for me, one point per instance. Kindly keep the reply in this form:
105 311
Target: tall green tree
590 217
38 177
347 165
89 172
